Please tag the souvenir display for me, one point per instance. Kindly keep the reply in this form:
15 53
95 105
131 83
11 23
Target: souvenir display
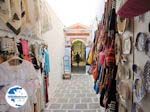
141 41
26 65
116 45
23 62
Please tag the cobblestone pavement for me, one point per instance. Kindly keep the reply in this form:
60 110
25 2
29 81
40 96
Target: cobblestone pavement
75 95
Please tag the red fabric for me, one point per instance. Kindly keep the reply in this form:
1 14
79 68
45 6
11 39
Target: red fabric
134 8
95 72
25 48
102 57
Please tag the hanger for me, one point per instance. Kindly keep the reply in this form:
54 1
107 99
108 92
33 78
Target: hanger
15 60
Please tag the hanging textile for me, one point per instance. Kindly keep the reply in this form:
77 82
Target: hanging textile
47 63
132 8
34 56
25 48
23 75
14 23
32 11
5 12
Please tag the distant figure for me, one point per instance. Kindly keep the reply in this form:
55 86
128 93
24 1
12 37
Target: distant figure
77 58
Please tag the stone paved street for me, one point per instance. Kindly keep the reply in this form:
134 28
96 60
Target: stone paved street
75 95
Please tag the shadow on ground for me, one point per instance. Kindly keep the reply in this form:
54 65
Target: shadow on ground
80 69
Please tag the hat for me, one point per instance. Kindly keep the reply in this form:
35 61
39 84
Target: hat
121 24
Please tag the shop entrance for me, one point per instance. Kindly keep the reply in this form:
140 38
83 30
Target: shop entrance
78 57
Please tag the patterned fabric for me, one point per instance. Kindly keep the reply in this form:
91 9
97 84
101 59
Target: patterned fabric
25 48
146 75
14 23
7 45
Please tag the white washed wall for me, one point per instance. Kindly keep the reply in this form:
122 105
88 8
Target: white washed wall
56 43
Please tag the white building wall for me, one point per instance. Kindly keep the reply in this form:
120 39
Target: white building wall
56 45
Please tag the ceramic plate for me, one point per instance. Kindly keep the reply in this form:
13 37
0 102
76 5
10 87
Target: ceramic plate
141 41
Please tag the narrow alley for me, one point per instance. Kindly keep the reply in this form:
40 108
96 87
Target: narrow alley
74 55
75 95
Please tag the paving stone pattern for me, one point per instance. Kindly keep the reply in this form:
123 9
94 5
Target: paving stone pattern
75 95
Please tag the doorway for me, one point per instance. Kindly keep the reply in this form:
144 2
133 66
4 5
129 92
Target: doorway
78 48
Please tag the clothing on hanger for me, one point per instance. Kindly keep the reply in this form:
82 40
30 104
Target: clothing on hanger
23 75
46 61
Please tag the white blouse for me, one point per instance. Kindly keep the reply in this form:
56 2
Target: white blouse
23 75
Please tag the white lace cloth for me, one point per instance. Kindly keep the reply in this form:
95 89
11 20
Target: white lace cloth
23 75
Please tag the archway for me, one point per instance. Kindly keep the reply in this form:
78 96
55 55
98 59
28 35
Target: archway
78 47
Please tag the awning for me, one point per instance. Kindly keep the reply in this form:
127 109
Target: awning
132 8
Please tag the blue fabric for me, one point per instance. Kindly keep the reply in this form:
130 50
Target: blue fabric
97 83
47 62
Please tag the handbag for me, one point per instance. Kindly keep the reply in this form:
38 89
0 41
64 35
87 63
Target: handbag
102 57
110 55
97 82
91 56
95 72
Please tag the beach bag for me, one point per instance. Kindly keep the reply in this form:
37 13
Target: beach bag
90 56
97 82
95 72
102 57
110 55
